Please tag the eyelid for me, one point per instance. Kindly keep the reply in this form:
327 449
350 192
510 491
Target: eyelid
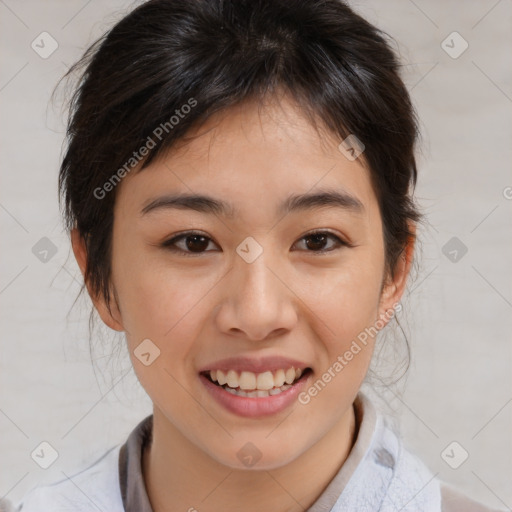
341 240
322 231
188 232
168 244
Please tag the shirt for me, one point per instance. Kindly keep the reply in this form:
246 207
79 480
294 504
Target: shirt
378 475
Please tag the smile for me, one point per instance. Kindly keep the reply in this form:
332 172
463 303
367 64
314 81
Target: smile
255 385
252 394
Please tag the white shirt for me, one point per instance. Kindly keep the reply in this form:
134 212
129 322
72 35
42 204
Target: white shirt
378 475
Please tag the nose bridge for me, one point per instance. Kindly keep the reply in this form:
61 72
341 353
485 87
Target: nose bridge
251 264
256 282
258 301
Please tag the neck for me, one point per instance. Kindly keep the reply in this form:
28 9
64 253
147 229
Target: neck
180 476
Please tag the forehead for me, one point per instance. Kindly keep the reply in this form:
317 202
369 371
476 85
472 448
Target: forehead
251 156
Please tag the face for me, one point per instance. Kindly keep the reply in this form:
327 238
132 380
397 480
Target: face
281 267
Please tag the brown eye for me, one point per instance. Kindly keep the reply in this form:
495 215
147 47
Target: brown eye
191 243
188 243
322 241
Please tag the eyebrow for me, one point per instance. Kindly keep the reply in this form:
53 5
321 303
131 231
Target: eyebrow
324 198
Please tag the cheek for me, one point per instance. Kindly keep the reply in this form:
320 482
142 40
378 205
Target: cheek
346 307
164 306
346 299
345 314
158 301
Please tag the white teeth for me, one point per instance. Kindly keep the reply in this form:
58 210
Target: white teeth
221 377
279 378
259 393
290 375
265 381
251 384
232 379
247 380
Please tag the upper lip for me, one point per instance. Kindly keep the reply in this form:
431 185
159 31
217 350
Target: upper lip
255 365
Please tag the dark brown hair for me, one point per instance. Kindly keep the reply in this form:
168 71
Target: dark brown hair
338 67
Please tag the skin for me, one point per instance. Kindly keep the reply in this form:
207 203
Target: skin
290 301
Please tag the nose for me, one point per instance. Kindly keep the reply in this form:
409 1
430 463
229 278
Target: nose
257 303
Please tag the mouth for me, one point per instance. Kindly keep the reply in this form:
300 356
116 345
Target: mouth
257 385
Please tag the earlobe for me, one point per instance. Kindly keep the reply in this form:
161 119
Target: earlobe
393 290
111 317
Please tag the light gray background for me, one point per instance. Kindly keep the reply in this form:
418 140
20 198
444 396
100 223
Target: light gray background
458 314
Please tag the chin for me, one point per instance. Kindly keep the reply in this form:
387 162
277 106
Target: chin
257 456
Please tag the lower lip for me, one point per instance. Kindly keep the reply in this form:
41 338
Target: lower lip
254 407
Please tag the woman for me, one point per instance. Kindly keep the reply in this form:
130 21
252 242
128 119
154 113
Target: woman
238 190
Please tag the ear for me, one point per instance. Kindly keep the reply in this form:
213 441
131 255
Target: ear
394 287
110 316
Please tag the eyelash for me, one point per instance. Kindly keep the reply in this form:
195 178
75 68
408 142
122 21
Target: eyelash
169 244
